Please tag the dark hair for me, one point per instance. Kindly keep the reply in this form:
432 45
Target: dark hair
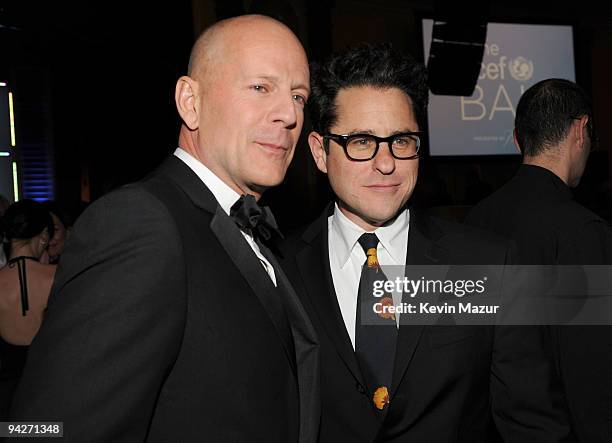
545 113
377 65
60 212
24 220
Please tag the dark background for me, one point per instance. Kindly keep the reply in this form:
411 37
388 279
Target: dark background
94 84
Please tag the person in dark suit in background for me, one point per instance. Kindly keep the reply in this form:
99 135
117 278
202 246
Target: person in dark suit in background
169 322
554 131
399 382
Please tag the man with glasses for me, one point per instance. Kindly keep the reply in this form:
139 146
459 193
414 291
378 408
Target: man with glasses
554 132
383 380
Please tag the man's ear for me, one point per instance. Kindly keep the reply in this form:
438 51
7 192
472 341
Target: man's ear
315 141
516 143
579 130
186 98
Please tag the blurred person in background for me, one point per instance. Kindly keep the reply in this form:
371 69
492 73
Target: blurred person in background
554 131
26 227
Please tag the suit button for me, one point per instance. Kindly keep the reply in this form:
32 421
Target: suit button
360 388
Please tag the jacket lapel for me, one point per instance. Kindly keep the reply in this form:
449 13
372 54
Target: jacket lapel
181 174
422 250
313 265
237 248
306 354
250 267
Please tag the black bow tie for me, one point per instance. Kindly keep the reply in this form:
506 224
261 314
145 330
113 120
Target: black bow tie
258 220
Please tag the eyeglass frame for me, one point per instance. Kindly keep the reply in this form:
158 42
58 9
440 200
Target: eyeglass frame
342 140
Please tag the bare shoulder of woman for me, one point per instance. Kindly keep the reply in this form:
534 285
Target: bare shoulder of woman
41 277
49 269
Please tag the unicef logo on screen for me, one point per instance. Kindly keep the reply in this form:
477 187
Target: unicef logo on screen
521 69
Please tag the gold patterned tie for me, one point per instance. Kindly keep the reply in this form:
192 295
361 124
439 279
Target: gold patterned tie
375 333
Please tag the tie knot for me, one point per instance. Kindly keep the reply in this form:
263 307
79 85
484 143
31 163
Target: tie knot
258 220
368 241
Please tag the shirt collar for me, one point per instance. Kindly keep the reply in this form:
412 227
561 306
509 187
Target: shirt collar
346 233
547 178
225 195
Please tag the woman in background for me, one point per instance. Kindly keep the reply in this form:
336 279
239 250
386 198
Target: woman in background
25 285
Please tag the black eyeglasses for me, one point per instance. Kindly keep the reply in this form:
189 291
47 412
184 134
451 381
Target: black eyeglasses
364 147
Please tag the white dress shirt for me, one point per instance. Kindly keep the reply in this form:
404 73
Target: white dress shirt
226 197
346 257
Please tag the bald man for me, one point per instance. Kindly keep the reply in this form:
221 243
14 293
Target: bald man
170 319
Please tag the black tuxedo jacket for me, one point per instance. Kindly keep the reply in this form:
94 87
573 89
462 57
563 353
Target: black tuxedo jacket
447 379
536 210
164 326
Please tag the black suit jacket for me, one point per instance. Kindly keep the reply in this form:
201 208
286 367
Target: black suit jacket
536 210
163 326
446 378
